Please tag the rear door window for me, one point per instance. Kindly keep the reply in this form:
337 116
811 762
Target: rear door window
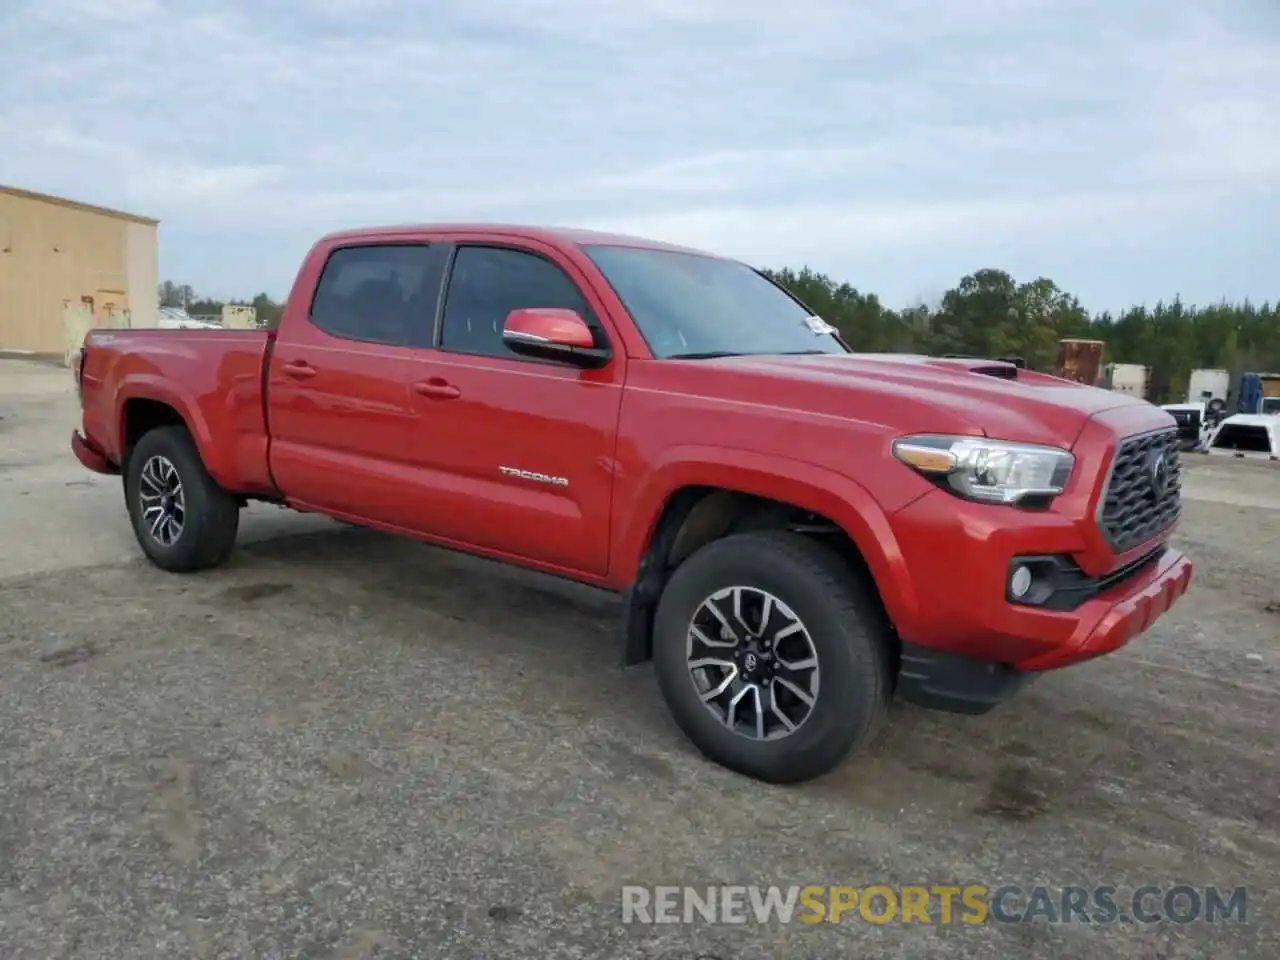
380 293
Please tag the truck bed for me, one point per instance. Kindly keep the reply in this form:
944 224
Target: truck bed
213 378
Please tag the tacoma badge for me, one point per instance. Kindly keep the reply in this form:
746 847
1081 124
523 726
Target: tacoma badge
537 477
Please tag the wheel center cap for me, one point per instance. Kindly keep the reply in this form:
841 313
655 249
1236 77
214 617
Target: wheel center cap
750 662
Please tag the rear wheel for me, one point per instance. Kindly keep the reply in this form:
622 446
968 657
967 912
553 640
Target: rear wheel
183 520
772 655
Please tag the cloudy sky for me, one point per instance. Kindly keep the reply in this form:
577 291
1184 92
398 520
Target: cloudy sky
1128 149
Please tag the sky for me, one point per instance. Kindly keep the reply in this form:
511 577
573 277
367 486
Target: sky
1127 149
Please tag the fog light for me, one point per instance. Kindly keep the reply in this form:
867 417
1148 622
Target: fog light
1020 582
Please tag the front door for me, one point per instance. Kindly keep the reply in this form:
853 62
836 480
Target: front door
523 448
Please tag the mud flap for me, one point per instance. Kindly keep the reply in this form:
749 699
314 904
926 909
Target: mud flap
637 625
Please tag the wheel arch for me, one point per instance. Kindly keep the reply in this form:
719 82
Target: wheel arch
138 417
717 494
206 530
146 403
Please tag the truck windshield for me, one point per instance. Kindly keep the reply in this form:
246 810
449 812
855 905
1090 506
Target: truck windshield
689 306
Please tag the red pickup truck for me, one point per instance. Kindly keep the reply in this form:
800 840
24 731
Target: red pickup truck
798 531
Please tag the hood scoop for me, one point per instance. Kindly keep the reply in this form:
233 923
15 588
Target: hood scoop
1001 368
1004 371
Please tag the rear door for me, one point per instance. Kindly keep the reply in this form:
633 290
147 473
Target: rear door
522 450
339 397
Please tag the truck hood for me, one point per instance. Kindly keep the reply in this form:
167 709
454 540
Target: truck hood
913 394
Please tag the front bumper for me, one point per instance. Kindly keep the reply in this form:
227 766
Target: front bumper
957 683
957 557
1116 617
90 456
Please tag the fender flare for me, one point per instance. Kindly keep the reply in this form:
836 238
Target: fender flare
840 499
147 386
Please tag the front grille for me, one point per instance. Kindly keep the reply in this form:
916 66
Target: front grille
1134 507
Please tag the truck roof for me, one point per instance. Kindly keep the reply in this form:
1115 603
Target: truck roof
1267 420
557 235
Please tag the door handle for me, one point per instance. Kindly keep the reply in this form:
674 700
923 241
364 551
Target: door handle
299 370
437 389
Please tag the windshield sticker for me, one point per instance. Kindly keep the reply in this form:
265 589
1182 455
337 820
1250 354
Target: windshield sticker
818 325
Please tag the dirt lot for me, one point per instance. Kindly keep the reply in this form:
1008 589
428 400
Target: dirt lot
348 746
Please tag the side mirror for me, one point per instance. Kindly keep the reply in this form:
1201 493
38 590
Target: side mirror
548 333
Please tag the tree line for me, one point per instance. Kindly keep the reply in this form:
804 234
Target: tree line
990 314
181 295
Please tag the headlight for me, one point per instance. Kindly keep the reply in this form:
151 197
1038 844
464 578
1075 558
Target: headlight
989 471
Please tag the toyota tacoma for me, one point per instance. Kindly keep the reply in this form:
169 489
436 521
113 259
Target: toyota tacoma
799 532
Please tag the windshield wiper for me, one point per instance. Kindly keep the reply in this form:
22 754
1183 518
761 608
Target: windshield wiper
705 355
802 353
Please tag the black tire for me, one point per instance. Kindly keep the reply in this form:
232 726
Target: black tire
845 623
211 517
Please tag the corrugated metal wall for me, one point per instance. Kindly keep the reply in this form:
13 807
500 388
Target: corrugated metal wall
140 272
57 260
78 320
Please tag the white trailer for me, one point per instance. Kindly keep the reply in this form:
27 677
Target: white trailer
1130 378
1211 387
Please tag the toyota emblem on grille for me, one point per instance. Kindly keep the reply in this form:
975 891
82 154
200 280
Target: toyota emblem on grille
1157 473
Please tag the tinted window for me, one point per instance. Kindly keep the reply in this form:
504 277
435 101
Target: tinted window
684 303
1244 437
381 294
487 283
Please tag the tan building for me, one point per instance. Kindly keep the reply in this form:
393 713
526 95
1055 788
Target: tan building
66 266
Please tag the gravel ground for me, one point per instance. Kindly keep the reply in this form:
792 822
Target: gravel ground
344 745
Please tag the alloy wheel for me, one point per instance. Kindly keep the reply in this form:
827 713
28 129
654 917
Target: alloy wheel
753 663
162 501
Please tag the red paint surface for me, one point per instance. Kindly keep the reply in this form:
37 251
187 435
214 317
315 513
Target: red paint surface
412 440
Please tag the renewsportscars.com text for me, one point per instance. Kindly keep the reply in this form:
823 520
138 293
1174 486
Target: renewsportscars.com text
934 904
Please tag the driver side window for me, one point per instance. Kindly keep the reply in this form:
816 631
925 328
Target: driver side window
487 283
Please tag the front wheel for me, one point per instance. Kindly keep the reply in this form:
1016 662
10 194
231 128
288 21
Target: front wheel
183 520
772 655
